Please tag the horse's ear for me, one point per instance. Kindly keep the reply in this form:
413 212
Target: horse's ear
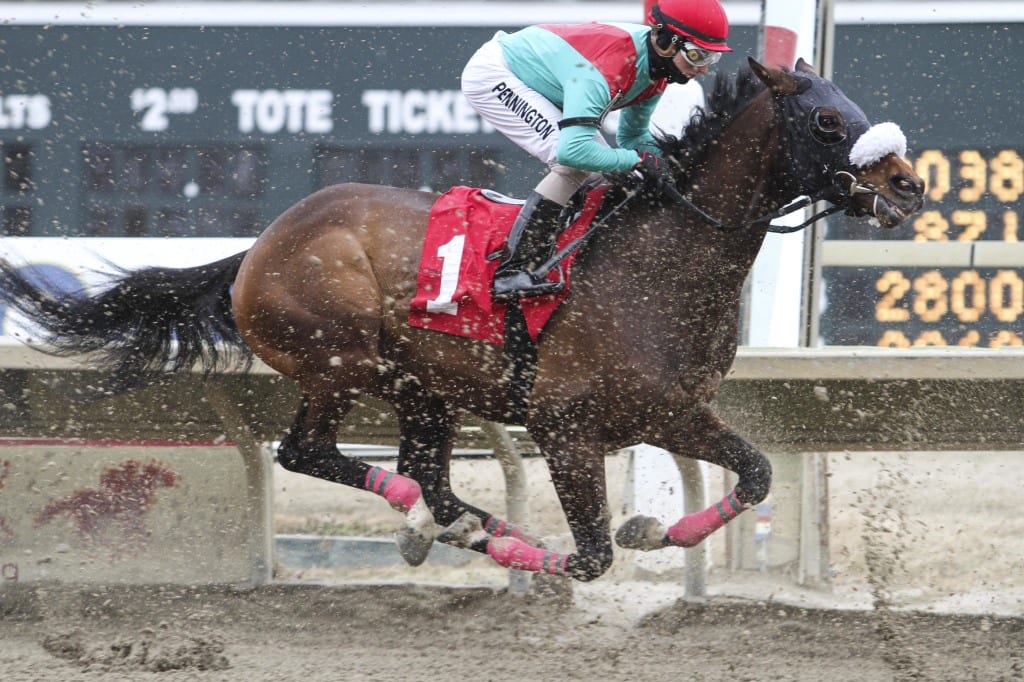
803 66
782 82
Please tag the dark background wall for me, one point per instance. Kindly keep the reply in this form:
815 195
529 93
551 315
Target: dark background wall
213 131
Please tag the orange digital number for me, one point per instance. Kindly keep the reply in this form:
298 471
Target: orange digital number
930 226
1006 296
893 286
1011 226
967 296
973 170
1002 175
933 166
969 340
1007 179
972 222
930 338
1006 338
930 301
893 338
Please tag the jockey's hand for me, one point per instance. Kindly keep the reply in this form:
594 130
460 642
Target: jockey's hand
653 170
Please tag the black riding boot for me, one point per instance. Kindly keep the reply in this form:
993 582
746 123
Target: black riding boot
529 245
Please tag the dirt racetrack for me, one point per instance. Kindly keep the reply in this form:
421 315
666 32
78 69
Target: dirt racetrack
927 585
317 633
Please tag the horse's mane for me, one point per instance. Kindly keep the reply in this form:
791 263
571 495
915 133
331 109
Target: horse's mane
730 95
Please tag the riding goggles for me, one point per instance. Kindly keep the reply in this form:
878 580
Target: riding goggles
696 56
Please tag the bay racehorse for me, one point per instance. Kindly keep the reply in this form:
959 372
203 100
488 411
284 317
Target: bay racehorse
634 354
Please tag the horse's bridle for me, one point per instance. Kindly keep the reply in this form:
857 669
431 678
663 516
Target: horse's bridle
803 202
792 114
808 161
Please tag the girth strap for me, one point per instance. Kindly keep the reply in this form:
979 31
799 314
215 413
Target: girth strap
519 363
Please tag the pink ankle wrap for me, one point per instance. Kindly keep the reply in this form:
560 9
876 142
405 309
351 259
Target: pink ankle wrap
500 529
400 491
691 530
512 553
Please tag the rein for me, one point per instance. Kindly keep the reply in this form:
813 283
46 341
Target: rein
678 197
828 193
852 188
541 272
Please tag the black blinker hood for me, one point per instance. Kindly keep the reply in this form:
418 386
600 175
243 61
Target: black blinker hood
815 163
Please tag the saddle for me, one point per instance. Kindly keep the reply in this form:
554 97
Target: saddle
453 285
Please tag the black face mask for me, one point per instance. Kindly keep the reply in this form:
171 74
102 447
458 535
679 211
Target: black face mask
662 67
819 151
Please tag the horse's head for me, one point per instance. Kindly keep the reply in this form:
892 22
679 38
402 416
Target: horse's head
835 154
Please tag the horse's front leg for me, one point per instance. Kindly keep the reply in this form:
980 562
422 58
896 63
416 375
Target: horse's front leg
708 438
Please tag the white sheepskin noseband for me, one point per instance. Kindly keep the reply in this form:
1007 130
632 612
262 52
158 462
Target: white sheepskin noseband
879 140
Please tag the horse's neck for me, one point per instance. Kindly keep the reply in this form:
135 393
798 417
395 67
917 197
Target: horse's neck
679 256
737 183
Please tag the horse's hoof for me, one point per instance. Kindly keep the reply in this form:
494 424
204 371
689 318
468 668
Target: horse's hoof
555 590
414 545
462 532
641 532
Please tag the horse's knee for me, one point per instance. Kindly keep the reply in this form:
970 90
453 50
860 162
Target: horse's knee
290 455
754 470
755 480
302 456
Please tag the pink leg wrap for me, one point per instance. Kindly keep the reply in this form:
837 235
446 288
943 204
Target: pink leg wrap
400 491
503 529
512 553
691 530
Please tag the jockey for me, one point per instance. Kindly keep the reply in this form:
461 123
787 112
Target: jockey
548 88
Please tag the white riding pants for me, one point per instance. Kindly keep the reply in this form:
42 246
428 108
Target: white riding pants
523 115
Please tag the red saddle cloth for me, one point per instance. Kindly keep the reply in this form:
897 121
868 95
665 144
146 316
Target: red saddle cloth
453 286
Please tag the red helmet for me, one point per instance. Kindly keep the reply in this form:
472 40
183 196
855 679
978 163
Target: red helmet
701 21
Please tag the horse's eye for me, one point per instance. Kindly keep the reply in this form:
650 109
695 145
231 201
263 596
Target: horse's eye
826 125
828 122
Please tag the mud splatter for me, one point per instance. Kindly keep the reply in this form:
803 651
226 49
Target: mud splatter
150 650
886 537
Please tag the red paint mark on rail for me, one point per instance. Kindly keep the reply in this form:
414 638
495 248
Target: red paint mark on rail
125 495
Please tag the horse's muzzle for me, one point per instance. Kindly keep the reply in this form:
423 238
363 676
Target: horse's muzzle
902 197
889 205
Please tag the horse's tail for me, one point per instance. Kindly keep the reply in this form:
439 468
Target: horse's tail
148 322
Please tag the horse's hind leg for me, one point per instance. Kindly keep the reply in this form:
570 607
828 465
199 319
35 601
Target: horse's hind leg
708 438
310 447
577 471
428 427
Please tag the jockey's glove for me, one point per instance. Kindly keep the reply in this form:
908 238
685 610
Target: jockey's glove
653 170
